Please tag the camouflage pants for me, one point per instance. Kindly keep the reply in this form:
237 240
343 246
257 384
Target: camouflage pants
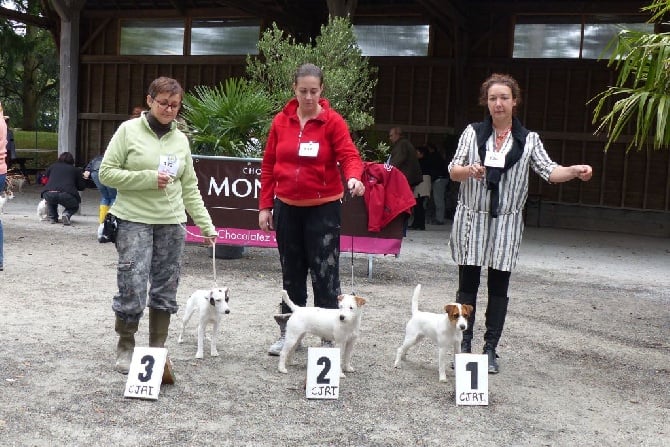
149 256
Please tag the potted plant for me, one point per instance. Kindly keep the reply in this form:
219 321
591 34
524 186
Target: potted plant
232 120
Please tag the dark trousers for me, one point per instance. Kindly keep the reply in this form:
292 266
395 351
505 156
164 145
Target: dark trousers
496 306
469 278
308 240
65 199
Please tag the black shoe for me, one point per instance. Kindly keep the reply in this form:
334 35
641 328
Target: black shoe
66 220
493 360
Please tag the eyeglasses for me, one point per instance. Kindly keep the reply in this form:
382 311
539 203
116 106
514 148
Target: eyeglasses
164 105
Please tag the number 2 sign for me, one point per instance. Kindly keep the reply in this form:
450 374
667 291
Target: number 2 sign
472 379
323 373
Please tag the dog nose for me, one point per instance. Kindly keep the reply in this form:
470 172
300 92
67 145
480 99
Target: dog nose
462 327
227 311
341 317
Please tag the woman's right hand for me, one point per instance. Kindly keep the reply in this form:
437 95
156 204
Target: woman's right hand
476 170
265 219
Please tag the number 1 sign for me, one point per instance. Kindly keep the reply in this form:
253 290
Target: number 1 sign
472 379
323 373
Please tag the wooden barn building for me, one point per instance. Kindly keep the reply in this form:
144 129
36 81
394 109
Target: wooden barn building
431 55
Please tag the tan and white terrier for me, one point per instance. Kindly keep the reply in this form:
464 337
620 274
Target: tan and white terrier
444 329
341 325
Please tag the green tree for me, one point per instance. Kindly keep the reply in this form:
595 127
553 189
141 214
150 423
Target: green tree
29 71
641 94
349 80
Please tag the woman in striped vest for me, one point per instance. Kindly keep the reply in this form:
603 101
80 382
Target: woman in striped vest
491 162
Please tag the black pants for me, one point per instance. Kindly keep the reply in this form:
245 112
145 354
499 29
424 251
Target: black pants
308 240
469 277
65 199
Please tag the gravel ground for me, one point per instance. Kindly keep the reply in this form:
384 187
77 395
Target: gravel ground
584 357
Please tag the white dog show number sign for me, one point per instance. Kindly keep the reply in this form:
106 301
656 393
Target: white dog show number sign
323 373
146 373
472 379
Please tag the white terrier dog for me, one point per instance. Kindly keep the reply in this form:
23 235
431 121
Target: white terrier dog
8 195
15 181
340 325
42 211
443 329
211 305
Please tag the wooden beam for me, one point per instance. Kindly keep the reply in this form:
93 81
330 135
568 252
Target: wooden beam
69 12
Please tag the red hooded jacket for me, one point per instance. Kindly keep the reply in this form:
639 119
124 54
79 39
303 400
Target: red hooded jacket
286 174
387 194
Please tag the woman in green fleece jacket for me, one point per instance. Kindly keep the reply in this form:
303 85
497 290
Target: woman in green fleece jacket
149 162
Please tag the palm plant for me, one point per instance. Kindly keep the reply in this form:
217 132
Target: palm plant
232 119
642 89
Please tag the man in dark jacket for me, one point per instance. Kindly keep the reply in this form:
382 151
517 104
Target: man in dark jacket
403 157
62 188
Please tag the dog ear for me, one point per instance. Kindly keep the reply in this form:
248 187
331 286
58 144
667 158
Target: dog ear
211 298
467 309
340 298
359 301
449 308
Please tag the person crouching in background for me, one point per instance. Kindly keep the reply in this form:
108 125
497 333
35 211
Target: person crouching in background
64 182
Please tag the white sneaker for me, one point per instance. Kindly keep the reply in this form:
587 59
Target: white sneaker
277 346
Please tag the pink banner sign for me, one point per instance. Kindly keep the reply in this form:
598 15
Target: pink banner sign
230 187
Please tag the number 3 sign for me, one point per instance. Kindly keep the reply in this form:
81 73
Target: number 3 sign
146 373
323 373
472 379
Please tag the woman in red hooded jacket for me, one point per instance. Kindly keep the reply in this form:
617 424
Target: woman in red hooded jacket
309 149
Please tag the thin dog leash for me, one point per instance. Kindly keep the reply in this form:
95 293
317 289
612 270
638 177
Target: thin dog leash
344 200
174 213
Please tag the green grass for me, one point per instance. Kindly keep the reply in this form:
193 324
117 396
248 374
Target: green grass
26 143
35 140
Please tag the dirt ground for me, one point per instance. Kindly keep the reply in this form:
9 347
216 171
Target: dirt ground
585 356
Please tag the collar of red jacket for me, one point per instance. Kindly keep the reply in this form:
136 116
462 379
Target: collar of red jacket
291 109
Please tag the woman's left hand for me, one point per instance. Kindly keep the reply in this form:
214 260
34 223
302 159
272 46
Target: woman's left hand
356 187
210 240
584 172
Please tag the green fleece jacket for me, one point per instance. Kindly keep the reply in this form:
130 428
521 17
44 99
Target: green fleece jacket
131 164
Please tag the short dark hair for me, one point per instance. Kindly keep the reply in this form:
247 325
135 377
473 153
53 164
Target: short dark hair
308 70
165 85
66 157
499 78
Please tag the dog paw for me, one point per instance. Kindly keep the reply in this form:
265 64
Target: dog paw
199 355
443 379
349 369
396 365
215 353
282 370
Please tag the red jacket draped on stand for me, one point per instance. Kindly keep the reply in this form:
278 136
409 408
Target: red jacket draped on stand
387 194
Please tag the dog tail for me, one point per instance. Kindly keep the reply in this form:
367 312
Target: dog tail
287 300
415 299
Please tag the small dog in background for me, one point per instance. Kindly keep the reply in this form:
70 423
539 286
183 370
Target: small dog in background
341 325
15 182
443 329
8 195
211 305
42 211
